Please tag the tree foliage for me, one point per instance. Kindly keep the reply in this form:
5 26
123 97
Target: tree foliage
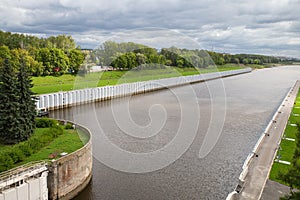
59 54
26 103
54 55
10 119
17 108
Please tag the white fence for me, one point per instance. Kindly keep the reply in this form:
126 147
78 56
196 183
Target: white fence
28 181
74 97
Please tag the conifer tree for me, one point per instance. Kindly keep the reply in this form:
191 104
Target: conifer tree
26 102
10 120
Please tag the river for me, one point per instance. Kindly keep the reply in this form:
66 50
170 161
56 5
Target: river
245 103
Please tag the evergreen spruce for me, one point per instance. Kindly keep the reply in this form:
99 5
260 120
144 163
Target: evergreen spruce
10 119
27 103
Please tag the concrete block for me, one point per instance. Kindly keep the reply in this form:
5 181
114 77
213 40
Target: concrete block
1 197
22 192
10 194
34 189
43 186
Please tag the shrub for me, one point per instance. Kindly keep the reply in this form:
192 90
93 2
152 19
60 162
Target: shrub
16 154
69 126
6 161
45 122
35 144
56 131
25 148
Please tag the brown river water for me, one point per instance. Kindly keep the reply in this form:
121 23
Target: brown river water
187 142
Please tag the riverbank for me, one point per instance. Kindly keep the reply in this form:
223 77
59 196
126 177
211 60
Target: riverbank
258 164
59 177
67 99
287 145
50 84
48 142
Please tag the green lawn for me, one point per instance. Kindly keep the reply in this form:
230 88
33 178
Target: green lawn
276 169
287 150
68 142
287 147
42 145
50 84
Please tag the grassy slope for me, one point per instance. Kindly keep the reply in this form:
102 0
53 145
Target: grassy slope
287 147
69 141
49 84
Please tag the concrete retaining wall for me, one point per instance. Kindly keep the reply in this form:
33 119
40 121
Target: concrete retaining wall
26 182
70 174
65 99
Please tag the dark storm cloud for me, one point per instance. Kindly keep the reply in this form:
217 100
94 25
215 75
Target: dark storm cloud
258 26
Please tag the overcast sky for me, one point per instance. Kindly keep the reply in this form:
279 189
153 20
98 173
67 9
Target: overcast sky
269 27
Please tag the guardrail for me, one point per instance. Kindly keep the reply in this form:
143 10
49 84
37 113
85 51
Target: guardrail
22 172
65 99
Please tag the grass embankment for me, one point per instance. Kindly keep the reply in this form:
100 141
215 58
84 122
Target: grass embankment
45 144
50 84
287 147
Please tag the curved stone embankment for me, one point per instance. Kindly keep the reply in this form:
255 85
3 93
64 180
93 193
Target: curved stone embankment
63 178
258 164
75 97
70 174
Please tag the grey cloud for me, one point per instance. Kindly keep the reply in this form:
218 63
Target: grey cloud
256 26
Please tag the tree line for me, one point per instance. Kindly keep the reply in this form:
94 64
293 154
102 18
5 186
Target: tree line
55 55
123 56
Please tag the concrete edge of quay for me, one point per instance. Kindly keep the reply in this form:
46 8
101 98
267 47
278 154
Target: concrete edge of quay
58 179
70 174
290 97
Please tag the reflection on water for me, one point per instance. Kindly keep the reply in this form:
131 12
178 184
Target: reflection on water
251 100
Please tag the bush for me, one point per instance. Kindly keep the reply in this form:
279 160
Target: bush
6 161
25 148
16 154
56 131
35 144
69 126
45 122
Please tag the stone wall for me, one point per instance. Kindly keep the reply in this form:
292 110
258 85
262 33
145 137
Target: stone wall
70 174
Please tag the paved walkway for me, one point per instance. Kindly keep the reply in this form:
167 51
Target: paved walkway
274 190
260 166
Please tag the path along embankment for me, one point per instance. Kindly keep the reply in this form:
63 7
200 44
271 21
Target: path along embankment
258 164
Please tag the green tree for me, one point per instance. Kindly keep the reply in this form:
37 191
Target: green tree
141 58
4 54
26 103
76 58
10 119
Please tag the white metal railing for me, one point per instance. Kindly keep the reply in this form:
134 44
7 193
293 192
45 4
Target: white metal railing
19 173
64 99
